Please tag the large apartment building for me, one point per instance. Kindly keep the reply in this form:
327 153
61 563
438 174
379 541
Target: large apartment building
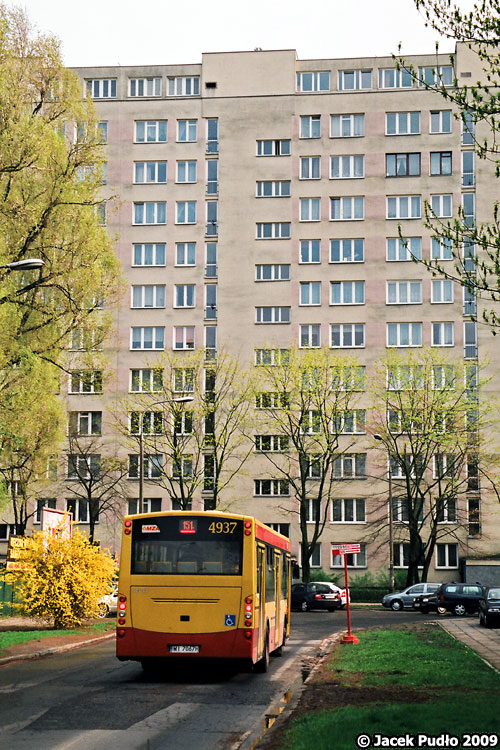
260 200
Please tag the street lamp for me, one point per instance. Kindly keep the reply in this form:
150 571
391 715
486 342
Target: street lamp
391 535
24 265
178 400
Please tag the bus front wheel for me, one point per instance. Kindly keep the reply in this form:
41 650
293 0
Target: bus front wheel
263 664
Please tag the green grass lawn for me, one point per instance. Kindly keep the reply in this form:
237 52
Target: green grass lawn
13 637
444 686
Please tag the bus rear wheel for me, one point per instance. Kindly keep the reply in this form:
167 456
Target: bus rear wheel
263 664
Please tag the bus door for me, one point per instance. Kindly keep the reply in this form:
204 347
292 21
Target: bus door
261 595
278 573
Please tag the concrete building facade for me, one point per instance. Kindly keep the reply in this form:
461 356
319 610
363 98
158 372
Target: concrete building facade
260 201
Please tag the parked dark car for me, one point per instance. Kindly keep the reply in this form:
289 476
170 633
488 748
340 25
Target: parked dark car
489 607
459 598
400 599
306 596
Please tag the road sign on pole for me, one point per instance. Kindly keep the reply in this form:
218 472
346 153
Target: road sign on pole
347 549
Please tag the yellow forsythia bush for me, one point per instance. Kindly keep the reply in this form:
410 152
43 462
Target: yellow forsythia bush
68 578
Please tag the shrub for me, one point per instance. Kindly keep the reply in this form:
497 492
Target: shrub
68 578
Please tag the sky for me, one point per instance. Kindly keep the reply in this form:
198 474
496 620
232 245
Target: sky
151 32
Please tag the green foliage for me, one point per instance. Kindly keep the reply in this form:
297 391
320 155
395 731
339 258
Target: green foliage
10 638
67 579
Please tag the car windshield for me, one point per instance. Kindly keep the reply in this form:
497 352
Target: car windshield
494 594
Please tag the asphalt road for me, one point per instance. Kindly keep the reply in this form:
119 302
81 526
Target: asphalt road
86 699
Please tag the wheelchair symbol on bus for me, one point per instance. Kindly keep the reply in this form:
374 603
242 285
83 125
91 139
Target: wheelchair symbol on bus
230 621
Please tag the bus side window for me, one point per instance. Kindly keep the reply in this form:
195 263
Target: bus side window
260 556
270 575
284 576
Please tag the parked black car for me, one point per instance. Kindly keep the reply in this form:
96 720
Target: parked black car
459 598
307 596
489 606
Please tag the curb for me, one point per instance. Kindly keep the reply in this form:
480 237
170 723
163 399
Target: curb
54 649
273 716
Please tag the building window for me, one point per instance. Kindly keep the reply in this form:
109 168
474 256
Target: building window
184 295
149 505
274 230
183 337
401 554
354 80
183 380
267 357
151 212
185 253
271 443
185 212
183 85
273 189
310 167
474 516
101 88
403 207
347 167
442 205
145 423
439 75
441 290
347 292
447 513
443 377
278 147
402 165
210 301
148 295
187 131
271 400
84 467
348 510
150 131
403 249
85 423
152 466
440 162
149 380
281 528
102 131
468 207
310 126
272 314
210 333
347 251
353 561
185 171
468 129
310 251
468 169
147 337
349 466
447 555
272 272
310 336
80 509
402 123
350 422
212 135
404 293
314 81
440 121
271 487
441 248
85 381
347 209
404 334
149 254
40 504
347 336
442 334
394 78
211 260
310 209
347 126
350 378
144 86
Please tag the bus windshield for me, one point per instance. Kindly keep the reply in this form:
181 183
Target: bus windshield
185 546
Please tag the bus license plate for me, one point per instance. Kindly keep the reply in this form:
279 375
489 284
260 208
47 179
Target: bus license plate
184 649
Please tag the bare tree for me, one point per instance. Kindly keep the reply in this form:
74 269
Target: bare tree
306 415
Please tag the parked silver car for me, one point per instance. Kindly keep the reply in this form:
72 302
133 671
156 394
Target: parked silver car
401 599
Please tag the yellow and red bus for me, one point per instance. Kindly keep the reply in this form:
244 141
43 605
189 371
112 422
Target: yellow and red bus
202 585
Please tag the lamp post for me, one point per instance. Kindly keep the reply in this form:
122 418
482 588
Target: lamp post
142 509
391 535
24 265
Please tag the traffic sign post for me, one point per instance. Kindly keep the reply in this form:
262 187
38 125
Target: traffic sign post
347 549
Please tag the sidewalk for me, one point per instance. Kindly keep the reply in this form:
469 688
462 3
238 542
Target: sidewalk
485 641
